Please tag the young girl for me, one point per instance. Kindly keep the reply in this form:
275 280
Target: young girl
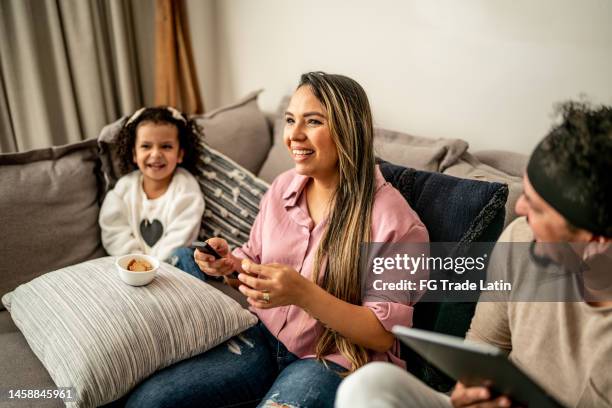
157 206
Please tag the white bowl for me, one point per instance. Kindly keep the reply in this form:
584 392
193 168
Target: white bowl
136 278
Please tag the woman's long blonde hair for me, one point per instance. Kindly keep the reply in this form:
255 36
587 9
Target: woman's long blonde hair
350 218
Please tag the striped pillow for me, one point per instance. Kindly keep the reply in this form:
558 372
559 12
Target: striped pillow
102 337
232 195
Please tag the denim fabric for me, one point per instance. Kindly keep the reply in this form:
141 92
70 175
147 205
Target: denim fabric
182 258
250 369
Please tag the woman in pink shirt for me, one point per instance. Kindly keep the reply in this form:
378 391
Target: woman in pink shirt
300 267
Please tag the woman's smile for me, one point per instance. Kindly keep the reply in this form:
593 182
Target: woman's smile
301 153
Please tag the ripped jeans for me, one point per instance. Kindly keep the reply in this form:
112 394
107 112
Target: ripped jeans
182 258
251 369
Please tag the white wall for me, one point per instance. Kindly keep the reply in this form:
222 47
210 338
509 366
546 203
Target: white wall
487 71
202 20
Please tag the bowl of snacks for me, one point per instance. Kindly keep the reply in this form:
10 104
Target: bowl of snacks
137 269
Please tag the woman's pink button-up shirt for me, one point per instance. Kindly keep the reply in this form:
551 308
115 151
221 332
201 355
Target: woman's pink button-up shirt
284 233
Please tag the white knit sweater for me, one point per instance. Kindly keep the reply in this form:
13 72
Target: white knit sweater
131 223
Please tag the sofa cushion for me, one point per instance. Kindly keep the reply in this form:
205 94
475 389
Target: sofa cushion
239 130
397 147
470 167
457 211
6 323
232 195
453 209
48 211
93 332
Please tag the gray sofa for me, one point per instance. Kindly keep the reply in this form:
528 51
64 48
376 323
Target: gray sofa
50 198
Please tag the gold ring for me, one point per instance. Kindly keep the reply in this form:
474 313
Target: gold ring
266 297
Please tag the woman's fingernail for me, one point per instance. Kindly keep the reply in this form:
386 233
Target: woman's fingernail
245 264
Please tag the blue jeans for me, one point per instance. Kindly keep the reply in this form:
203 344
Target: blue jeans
251 369
182 258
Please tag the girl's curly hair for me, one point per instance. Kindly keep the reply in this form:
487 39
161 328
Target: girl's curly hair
190 135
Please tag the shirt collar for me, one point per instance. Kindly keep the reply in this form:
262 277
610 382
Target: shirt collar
294 190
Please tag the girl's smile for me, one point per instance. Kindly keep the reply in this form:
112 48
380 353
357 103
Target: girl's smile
157 153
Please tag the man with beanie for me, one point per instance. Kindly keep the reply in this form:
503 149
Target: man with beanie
564 346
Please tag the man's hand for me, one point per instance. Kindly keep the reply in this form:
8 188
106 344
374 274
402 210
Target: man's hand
476 397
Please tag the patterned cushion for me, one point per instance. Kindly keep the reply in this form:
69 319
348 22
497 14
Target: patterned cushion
232 196
102 337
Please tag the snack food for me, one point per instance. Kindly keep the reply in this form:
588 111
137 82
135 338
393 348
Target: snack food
139 265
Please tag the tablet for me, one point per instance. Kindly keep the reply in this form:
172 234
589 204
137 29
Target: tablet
474 364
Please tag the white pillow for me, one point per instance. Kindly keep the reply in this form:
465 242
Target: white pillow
93 332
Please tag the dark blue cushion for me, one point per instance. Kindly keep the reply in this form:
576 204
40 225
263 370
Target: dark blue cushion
454 210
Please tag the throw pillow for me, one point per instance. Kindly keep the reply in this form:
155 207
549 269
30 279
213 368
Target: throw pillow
457 211
48 211
232 195
239 130
278 159
453 209
93 332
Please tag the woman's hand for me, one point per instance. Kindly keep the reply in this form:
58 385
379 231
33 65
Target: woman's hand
272 285
477 397
209 265
275 285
